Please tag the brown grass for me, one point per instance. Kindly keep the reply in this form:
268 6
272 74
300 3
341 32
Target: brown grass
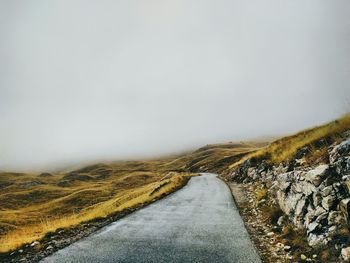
32 205
260 193
284 149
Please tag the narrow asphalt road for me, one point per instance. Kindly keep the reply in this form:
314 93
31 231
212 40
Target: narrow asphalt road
199 223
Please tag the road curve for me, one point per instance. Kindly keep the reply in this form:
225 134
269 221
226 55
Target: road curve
199 223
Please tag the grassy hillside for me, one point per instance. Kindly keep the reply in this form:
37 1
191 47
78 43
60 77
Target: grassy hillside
32 205
317 140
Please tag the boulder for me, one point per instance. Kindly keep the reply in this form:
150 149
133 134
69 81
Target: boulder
345 254
303 187
317 175
342 149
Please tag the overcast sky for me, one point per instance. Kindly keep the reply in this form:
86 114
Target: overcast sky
82 81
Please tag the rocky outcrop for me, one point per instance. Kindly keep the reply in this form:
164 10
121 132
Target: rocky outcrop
316 199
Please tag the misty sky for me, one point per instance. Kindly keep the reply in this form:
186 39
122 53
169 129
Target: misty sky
82 81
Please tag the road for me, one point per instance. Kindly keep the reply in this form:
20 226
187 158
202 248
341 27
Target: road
199 223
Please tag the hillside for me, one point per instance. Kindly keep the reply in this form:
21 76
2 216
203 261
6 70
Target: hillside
33 205
297 195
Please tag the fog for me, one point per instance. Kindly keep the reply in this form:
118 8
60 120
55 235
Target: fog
85 81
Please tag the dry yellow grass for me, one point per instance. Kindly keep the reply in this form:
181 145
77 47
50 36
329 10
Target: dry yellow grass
33 205
285 148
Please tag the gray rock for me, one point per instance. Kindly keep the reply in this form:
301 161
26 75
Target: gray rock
342 149
345 254
317 175
315 240
35 243
342 165
288 202
332 230
303 187
49 247
312 227
287 248
317 199
319 211
344 206
270 234
300 207
328 202
309 218
321 217
328 190
336 218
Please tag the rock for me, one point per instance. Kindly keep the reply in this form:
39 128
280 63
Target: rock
262 201
299 209
344 206
282 220
315 240
332 230
314 256
345 254
303 257
279 245
342 149
270 234
243 170
284 181
302 152
309 218
287 248
319 211
20 251
328 202
35 243
317 175
263 167
342 165
288 202
303 187
327 191
49 247
321 218
312 227
336 218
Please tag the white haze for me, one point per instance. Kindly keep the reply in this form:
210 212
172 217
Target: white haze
85 81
